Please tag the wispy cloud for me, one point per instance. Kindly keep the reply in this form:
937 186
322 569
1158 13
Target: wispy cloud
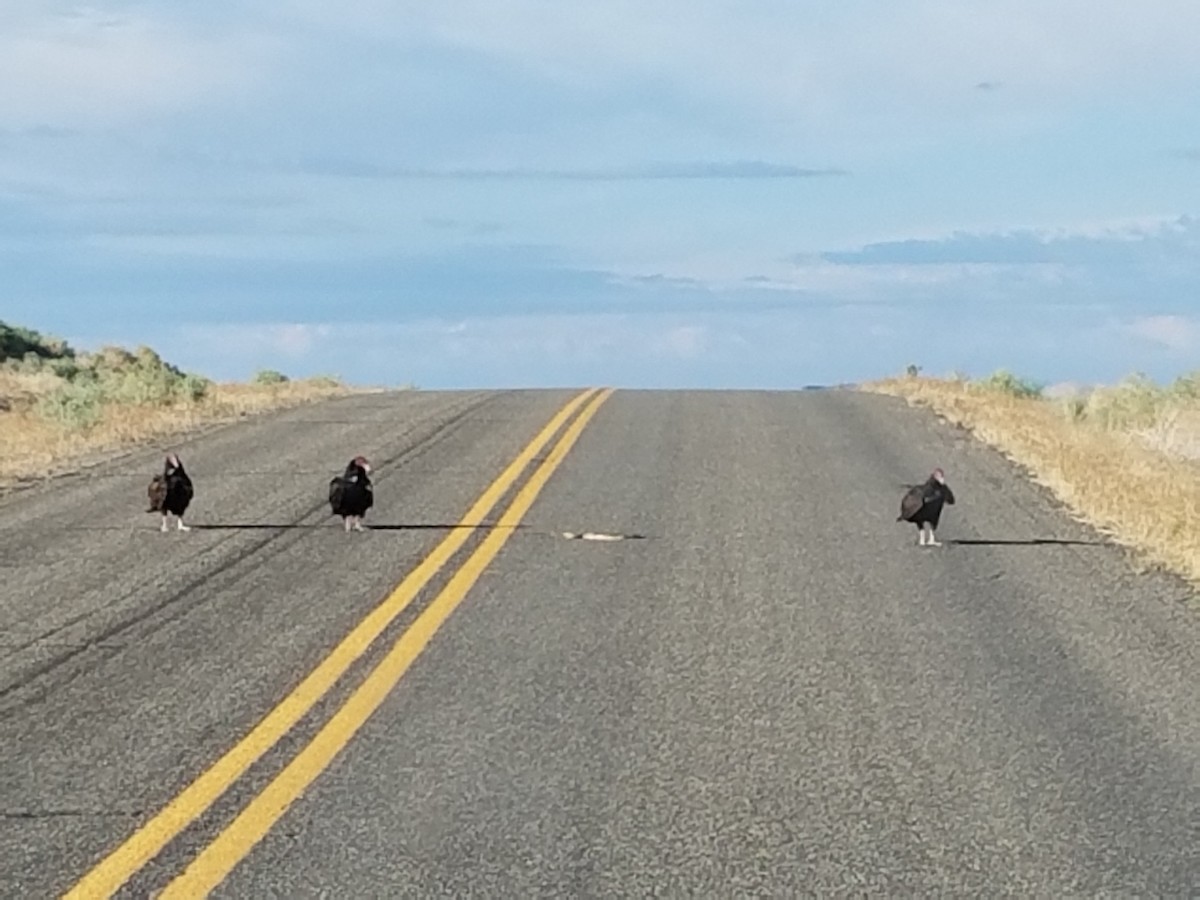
781 348
773 58
345 167
988 86
1179 333
520 349
278 341
85 67
1178 238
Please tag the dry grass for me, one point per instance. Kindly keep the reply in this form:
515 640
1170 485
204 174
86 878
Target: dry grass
1124 458
34 446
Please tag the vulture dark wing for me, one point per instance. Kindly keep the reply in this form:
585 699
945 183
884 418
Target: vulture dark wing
912 502
337 489
157 493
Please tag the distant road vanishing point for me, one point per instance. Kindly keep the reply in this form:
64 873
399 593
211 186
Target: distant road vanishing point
748 679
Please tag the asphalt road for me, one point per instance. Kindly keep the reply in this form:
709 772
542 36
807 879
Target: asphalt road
770 690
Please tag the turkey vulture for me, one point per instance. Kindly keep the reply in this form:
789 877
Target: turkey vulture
922 506
351 494
171 492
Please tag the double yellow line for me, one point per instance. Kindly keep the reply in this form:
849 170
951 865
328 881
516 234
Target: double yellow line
218 859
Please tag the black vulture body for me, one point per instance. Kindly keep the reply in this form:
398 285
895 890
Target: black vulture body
923 505
171 493
351 494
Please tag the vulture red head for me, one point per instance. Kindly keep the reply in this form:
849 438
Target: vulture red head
939 476
361 461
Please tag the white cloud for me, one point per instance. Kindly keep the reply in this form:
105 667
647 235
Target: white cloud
479 344
780 348
685 341
784 60
816 279
1174 332
1175 239
89 68
294 341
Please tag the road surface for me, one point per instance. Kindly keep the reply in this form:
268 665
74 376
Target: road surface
767 688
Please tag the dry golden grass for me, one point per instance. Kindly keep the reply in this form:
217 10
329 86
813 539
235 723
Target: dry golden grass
34 447
1130 473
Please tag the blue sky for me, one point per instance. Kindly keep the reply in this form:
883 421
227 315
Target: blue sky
531 193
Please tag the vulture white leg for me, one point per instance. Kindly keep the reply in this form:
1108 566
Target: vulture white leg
921 535
933 541
358 523
346 523
164 524
179 525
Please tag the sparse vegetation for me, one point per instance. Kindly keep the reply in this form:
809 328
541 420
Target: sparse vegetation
1125 457
58 405
1006 382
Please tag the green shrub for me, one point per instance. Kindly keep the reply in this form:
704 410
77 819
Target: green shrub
114 375
327 381
1187 387
35 364
1134 402
18 343
74 405
141 377
66 367
75 387
1006 382
195 387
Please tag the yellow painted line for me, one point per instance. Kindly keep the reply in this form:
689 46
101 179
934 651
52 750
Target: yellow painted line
107 877
220 857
